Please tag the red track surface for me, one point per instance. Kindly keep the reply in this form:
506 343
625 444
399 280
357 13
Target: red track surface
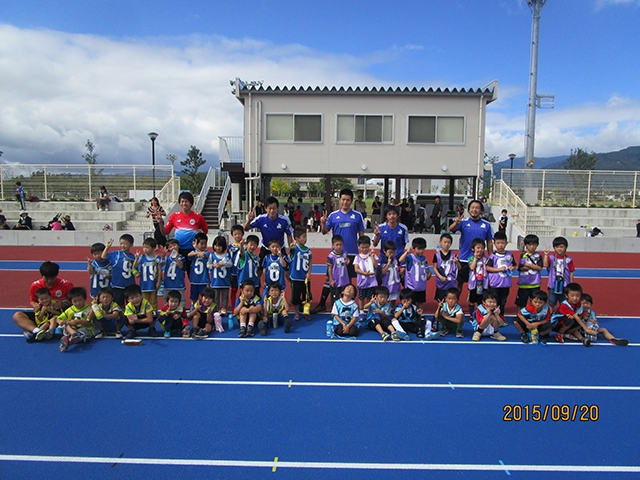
611 296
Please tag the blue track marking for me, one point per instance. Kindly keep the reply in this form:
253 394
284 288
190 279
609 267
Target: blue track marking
319 269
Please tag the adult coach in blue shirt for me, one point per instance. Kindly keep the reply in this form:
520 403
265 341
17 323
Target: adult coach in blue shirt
347 223
271 225
470 228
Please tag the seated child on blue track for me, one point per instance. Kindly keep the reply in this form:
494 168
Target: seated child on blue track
533 321
45 315
345 313
172 317
106 314
276 309
379 316
487 317
204 315
566 319
138 312
592 323
248 309
407 317
77 328
449 313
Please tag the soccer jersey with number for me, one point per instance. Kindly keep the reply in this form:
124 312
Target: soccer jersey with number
248 268
73 313
173 274
300 263
478 276
101 276
199 274
338 265
149 268
391 279
220 276
501 279
447 268
348 225
417 273
122 264
346 311
560 267
529 278
274 272
366 264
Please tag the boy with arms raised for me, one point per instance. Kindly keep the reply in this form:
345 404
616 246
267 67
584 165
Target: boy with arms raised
77 327
99 270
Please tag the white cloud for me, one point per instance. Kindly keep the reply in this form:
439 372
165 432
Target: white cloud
600 4
57 90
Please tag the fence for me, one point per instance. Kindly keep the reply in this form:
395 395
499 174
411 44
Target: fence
82 182
575 188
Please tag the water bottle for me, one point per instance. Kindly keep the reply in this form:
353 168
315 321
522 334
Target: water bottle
558 286
275 320
329 327
534 335
230 322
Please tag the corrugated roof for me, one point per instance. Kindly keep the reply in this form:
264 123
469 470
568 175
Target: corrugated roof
490 89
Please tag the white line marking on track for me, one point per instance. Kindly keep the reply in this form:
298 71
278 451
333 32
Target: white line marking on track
323 465
289 383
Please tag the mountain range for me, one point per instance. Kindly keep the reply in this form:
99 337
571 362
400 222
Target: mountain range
626 159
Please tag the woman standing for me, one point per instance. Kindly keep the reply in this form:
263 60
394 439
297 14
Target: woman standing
156 212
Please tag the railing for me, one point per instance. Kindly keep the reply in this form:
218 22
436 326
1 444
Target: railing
215 179
574 188
81 182
223 199
507 199
231 149
168 194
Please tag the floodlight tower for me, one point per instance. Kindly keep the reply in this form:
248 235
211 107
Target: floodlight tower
536 7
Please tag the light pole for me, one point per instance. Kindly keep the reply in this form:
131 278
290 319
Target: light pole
153 136
511 157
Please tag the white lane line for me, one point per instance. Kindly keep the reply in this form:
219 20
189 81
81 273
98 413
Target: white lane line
291 383
323 465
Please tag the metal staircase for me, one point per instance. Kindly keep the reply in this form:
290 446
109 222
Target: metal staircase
211 207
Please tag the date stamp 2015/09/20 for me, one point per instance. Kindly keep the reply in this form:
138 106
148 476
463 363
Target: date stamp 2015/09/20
555 413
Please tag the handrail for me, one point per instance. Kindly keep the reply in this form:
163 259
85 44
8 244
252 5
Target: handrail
209 182
223 199
513 203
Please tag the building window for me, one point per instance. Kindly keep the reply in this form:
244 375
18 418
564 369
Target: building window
288 127
433 129
365 129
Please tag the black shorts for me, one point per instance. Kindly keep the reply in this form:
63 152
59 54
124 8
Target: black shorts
523 296
474 296
463 273
366 292
419 296
299 292
351 269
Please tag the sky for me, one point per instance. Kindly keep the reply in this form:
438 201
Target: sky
111 71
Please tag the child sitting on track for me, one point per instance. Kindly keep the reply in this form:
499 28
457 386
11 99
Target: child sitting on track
533 320
138 312
248 308
379 316
276 308
592 322
75 320
408 317
566 318
172 317
106 314
449 313
345 313
204 314
45 314
487 318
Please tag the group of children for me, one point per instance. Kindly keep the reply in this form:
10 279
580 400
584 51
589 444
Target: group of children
389 295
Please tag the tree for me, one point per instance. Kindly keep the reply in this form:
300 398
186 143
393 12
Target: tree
339 183
315 189
192 180
279 187
294 189
90 157
581 160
